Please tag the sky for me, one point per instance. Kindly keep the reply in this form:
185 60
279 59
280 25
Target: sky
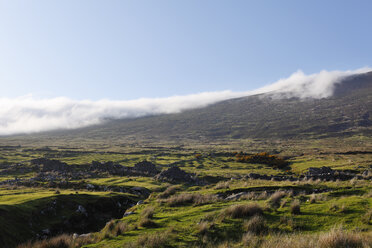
126 50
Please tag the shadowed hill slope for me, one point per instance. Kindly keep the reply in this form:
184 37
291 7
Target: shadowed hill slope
261 116
347 112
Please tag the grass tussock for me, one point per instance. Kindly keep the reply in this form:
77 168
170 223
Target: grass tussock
186 199
171 190
242 210
203 227
256 225
275 199
154 240
336 238
312 199
148 212
61 241
339 238
146 222
146 216
367 217
222 185
295 207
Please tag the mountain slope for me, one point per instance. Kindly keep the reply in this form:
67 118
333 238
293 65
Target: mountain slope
348 111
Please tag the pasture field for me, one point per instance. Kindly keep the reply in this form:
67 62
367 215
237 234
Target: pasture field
224 205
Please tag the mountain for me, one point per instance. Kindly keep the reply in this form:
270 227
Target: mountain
348 112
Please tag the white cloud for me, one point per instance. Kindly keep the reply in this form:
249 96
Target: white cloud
28 114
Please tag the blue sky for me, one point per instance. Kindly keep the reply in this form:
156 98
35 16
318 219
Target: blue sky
123 50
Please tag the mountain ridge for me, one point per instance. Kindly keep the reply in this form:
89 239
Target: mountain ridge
347 112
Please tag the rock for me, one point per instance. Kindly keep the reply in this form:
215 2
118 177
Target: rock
82 210
51 165
85 235
314 171
235 196
175 174
146 168
90 186
127 214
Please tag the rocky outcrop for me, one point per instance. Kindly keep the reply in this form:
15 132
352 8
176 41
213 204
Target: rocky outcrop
51 165
146 168
176 175
109 167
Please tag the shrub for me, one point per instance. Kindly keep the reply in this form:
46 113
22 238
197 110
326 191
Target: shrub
337 238
256 225
275 198
295 207
243 210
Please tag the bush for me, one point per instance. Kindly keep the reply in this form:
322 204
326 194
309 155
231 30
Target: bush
256 225
241 211
295 207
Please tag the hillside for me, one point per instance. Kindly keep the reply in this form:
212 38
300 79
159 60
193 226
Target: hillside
348 111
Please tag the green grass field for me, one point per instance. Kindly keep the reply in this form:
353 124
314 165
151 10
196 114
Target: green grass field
192 215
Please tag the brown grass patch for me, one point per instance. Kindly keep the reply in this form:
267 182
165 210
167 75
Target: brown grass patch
243 210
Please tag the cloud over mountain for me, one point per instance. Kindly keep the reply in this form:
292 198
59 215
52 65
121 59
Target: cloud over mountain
28 114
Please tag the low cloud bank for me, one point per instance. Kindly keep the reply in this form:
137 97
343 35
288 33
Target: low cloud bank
29 115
